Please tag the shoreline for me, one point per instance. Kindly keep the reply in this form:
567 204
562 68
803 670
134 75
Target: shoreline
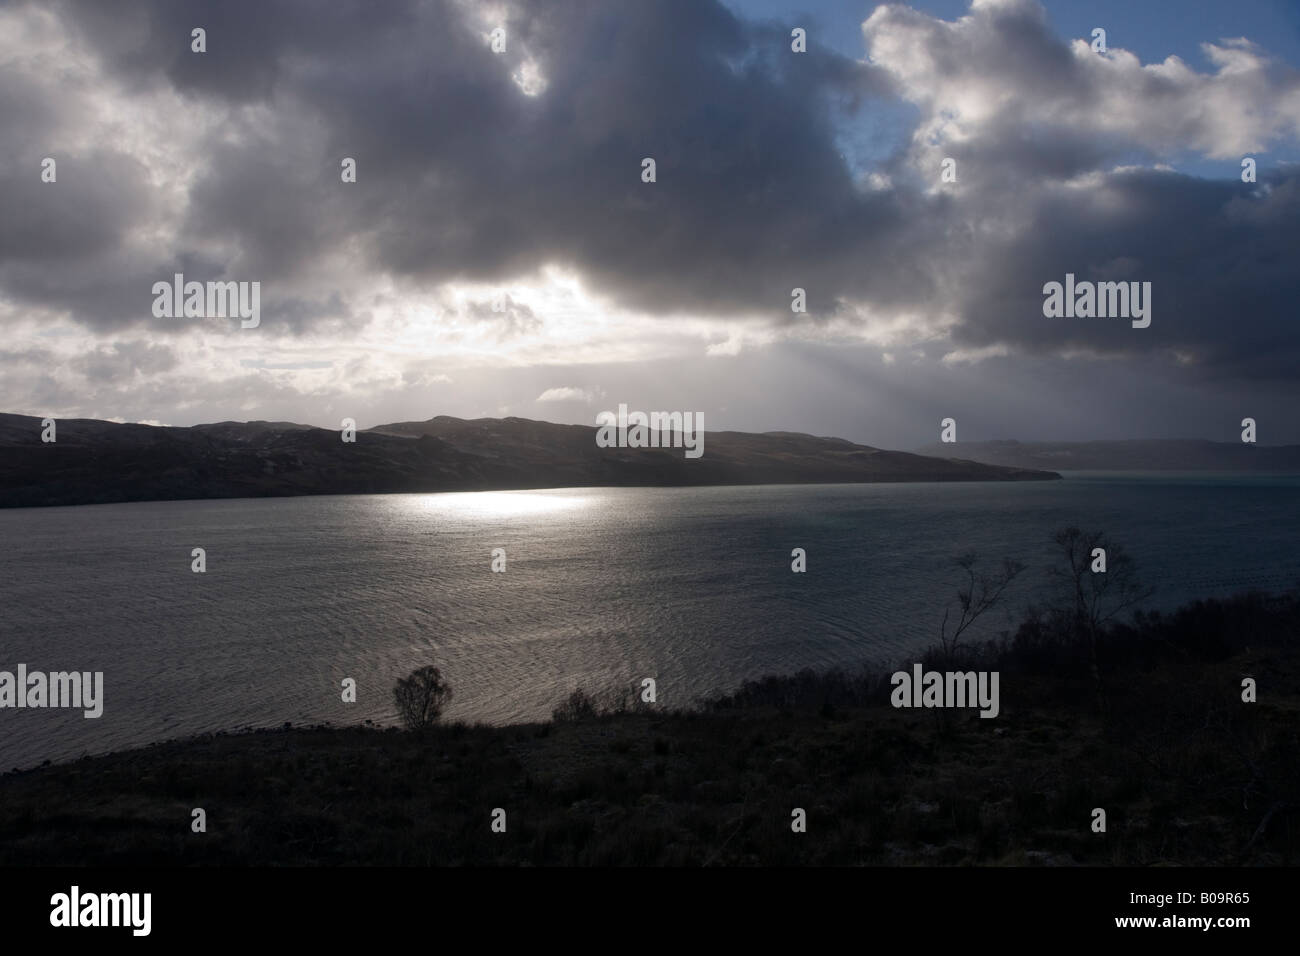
1039 477
1167 755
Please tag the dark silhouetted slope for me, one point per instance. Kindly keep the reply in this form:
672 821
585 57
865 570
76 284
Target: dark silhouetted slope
95 462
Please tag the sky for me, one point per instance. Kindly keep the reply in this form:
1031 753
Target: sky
501 254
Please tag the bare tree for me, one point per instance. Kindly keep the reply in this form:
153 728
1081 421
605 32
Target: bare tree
978 593
1095 597
421 697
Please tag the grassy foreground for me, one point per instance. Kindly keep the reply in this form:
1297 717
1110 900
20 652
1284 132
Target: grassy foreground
1187 773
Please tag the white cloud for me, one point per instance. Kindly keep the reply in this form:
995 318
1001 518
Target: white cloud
975 76
566 393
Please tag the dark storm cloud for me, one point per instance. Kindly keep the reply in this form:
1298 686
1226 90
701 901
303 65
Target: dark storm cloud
461 175
1220 257
97 195
251 44
61 242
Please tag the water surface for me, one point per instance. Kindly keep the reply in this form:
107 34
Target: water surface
603 586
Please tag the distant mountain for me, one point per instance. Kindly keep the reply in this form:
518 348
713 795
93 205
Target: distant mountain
1138 455
95 462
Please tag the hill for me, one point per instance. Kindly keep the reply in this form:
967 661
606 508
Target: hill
96 462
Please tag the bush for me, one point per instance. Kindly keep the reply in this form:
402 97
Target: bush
610 702
421 697
578 706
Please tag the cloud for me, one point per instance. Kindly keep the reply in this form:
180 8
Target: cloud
1039 128
567 394
225 165
507 318
461 175
998 85
123 360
